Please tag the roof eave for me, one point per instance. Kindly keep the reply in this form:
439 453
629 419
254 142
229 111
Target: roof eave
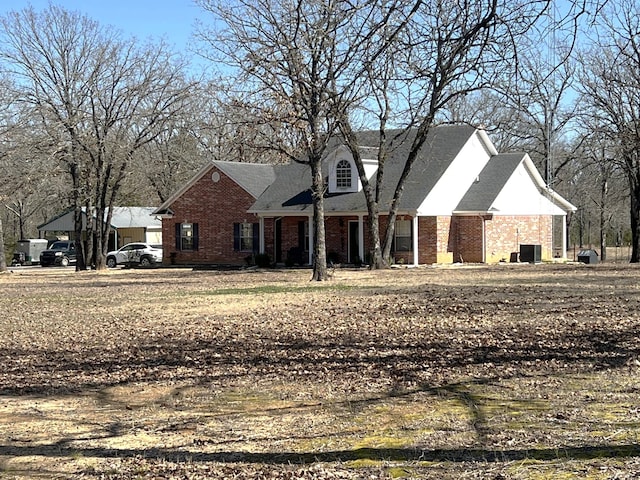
472 213
487 141
165 213
557 198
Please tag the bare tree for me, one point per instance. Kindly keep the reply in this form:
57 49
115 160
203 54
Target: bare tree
13 173
32 184
375 96
99 98
299 54
164 164
446 51
600 183
610 82
240 126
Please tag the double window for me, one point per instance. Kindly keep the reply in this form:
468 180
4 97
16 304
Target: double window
343 174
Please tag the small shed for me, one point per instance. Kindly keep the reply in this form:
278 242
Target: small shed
588 255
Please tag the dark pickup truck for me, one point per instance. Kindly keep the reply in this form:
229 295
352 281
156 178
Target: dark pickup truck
62 252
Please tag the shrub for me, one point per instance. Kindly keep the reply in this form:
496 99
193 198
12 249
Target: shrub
294 257
262 260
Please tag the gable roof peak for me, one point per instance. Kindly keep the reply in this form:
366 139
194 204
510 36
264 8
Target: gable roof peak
253 177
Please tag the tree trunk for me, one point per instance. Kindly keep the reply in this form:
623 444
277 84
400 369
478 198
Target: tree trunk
603 219
377 260
90 233
77 216
371 190
388 237
103 222
21 221
635 218
81 264
3 260
319 243
397 196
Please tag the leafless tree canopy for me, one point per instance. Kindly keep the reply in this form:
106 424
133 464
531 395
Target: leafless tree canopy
97 98
302 59
89 118
610 83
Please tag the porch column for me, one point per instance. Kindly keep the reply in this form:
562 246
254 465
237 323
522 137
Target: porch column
361 237
261 223
564 235
311 233
414 239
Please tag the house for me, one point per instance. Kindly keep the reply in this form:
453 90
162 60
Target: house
128 224
207 220
463 201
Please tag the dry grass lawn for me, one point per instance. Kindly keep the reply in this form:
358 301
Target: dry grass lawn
511 371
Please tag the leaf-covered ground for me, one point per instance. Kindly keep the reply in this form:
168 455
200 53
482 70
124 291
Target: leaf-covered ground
511 371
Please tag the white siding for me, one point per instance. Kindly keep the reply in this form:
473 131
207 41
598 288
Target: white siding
521 196
456 180
343 153
154 236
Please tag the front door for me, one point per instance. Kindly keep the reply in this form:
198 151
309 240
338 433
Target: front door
354 243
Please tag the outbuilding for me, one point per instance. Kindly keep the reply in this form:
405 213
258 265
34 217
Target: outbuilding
128 224
588 255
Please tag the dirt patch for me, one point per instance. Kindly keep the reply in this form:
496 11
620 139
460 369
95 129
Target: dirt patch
462 372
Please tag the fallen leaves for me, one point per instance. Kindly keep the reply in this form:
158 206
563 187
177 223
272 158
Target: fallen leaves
312 365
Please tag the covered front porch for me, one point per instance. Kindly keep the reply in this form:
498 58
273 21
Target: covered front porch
347 239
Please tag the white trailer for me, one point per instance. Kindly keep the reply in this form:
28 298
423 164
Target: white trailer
28 251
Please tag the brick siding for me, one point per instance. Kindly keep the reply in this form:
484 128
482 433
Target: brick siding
505 234
216 206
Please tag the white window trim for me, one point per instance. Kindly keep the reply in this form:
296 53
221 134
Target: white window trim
341 174
333 175
409 236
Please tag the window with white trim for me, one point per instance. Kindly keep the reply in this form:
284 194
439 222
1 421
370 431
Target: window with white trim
403 236
343 174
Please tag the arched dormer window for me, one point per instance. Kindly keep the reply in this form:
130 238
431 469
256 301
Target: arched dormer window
343 174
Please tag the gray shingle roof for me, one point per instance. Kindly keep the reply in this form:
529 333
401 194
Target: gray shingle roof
253 177
491 181
291 193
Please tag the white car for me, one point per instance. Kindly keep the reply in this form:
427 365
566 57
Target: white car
143 254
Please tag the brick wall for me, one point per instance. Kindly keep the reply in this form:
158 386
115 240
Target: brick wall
466 239
434 240
505 234
214 206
